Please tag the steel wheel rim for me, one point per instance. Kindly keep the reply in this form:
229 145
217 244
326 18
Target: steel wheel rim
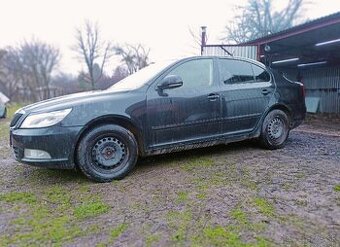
276 128
108 153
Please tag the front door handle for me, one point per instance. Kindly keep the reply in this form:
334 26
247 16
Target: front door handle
213 96
265 91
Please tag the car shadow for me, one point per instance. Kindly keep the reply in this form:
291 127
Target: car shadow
224 149
50 177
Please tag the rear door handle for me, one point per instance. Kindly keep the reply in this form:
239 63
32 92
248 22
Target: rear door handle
265 91
213 96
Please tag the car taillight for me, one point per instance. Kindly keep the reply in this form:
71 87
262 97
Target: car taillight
303 90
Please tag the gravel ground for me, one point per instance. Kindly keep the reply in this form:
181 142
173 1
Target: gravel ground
233 195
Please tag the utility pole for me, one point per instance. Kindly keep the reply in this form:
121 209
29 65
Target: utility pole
204 38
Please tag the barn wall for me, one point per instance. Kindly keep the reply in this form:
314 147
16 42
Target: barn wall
323 83
237 51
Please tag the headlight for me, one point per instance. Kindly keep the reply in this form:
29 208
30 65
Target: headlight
44 119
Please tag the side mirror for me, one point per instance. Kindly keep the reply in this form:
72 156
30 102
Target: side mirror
170 81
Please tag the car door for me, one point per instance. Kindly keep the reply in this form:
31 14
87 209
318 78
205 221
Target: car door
245 94
186 113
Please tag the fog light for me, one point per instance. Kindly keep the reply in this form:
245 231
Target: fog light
36 154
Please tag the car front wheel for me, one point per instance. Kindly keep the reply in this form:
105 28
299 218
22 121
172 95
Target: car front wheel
107 152
275 130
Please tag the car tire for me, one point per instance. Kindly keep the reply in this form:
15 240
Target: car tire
275 130
107 152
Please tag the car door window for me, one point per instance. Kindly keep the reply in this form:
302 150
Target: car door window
260 74
195 74
235 71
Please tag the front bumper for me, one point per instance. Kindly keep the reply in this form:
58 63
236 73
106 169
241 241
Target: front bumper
58 141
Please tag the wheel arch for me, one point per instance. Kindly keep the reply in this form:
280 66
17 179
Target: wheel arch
282 107
263 134
277 106
111 119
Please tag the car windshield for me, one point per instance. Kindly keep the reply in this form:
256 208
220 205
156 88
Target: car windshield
140 78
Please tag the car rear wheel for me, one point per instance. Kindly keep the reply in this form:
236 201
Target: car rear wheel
275 130
106 153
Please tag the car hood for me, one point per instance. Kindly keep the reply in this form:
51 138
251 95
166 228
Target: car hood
66 101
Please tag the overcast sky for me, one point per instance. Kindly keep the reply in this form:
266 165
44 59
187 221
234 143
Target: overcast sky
161 25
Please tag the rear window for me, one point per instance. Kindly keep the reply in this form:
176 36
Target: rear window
235 71
260 75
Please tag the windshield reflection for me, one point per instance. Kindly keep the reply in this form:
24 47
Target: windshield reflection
141 77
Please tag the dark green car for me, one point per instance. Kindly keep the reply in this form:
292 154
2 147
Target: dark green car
166 107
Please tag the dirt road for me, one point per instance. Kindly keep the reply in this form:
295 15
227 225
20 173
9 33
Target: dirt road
234 195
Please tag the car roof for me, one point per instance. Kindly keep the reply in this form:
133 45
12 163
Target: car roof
231 57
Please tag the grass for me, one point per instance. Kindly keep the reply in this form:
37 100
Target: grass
57 229
186 227
201 195
182 197
151 239
198 162
239 215
58 195
51 216
42 226
114 233
179 222
117 231
24 197
219 236
4 123
90 209
224 236
57 208
12 108
4 128
265 207
337 188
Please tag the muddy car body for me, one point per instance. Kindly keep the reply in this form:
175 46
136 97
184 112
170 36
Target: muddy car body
193 102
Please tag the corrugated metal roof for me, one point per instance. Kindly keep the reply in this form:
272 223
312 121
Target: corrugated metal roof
232 51
313 24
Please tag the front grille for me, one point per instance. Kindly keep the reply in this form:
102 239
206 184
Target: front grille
15 119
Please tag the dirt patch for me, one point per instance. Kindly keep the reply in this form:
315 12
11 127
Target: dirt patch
233 195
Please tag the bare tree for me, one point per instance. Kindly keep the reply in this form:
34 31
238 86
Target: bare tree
10 77
38 60
3 72
258 18
120 72
134 57
2 60
30 66
92 50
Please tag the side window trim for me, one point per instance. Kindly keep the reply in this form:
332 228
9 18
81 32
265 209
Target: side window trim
264 69
219 72
178 64
254 82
